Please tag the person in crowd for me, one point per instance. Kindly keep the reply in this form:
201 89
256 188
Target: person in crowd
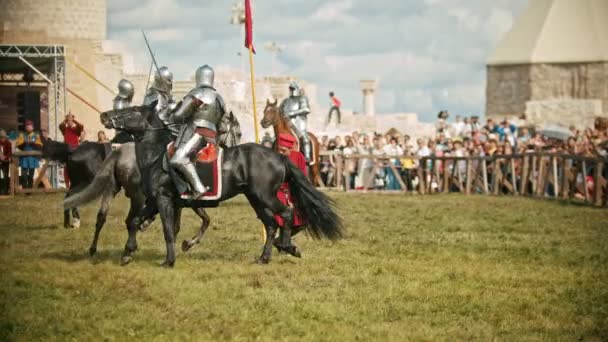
71 131
324 142
44 134
458 127
395 152
101 137
366 165
29 141
334 106
6 152
350 163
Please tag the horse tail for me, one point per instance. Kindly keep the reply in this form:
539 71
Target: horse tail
104 180
56 151
318 209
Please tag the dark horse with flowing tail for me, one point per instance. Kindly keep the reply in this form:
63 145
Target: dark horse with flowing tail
97 171
273 117
249 169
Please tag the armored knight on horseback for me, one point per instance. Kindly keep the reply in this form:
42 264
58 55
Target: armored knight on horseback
160 92
125 95
199 113
296 109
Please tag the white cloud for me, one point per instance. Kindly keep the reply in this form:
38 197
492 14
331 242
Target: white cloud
335 12
419 50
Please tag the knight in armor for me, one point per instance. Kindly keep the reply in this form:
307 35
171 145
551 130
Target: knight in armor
121 101
199 114
125 95
296 109
160 90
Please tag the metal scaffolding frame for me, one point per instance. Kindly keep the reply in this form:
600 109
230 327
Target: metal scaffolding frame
53 57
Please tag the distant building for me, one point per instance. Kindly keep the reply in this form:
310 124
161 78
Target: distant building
553 65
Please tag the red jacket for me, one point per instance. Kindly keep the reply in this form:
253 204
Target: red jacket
6 151
284 194
71 135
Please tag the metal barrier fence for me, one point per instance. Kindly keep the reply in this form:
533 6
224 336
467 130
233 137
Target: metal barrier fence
532 174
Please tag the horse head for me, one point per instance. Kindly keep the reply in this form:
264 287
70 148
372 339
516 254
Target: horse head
131 120
271 114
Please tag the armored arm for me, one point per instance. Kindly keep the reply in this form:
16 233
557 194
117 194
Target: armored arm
304 108
184 110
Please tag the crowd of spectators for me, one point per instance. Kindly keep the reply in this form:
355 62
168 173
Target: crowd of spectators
32 139
463 137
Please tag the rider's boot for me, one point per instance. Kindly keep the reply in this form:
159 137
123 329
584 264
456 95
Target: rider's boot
191 176
307 149
182 161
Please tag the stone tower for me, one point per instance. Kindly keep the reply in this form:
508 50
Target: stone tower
80 25
553 64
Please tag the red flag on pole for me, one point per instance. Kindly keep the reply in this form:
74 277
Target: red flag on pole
248 26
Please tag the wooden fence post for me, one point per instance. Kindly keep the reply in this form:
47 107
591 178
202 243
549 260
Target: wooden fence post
565 178
339 168
585 188
484 169
421 176
525 171
540 189
533 175
496 177
598 182
513 175
469 176
14 172
446 175
555 177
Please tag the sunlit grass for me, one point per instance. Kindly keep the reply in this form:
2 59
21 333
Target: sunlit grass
434 267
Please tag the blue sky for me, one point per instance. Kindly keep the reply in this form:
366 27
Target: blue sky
427 55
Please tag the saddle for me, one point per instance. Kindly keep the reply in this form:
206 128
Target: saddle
209 168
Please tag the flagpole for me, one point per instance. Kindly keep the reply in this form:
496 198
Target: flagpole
255 114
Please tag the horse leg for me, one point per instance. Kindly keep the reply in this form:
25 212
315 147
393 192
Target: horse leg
187 244
66 218
178 221
272 203
167 215
66 212
130 221
147 216
270 225
102 213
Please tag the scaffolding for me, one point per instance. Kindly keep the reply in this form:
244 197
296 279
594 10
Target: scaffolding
49 63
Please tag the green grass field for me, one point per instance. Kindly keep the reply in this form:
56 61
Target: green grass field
436 267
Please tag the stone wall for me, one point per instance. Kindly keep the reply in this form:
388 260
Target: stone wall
569 93
580 113
76 19
507 90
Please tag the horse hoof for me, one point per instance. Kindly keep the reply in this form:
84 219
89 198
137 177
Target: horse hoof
186 245
76 223
92 251
168 264
125 260
296 252
262 261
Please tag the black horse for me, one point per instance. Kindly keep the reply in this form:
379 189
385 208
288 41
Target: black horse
92 164
81 164
249 169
